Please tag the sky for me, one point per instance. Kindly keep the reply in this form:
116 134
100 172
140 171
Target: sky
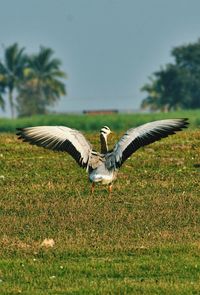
108 48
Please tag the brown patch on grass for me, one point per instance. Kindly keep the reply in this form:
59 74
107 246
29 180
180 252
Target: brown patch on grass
197 244
14 243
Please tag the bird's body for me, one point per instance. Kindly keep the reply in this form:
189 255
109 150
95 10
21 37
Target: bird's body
102 166
103 175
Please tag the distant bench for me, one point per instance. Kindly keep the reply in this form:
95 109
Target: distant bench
100 112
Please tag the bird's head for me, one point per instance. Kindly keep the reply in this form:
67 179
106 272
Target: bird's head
105 131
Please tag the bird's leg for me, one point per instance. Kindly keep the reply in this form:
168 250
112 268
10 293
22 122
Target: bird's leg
110 188
92 188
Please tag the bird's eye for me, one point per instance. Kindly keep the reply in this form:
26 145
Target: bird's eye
106 127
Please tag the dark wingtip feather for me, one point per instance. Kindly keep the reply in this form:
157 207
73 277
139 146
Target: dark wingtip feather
185 122
19 133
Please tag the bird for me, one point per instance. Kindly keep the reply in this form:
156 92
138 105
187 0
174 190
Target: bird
103 166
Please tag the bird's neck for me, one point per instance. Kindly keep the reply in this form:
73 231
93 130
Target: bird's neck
104 144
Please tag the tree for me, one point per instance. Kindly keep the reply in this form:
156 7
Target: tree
11 73
42 85
2 91
176 85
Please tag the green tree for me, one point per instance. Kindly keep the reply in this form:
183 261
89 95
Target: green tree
176 85
2 90
42 85
11 73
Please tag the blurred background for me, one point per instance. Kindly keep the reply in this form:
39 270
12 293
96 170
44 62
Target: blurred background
108 56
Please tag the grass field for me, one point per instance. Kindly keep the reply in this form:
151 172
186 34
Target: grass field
88 123
143 239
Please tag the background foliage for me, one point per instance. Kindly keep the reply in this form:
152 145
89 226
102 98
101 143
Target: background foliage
177 85
31 82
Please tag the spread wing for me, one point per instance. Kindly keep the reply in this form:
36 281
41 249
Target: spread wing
143 135
59 138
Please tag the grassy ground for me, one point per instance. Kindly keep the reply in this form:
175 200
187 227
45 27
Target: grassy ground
88 123
144 239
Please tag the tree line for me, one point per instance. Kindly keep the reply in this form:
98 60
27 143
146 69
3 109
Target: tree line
31 83
176 85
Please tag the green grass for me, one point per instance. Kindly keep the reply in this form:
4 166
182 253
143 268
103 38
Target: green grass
143 239
88 123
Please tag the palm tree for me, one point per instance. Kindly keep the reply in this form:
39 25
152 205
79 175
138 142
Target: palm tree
42 85
11 71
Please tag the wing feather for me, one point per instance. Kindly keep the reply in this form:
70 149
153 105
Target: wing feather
58 138
143 135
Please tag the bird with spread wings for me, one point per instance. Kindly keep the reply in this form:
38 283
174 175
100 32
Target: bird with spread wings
101 166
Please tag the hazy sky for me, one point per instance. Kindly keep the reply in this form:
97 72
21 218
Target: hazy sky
109 48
